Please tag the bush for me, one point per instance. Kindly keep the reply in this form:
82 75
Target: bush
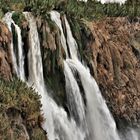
90 10
16 94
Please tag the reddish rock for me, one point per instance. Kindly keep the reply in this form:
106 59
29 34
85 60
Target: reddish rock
116 55
5 54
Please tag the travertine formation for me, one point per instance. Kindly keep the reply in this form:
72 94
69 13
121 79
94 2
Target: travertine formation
116 57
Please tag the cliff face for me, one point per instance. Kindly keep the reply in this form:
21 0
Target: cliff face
114 46
116 56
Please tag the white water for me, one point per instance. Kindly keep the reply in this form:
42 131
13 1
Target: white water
8 20
21 71
75 101
74 98
101 123
55 16
18 66
132 135
73 47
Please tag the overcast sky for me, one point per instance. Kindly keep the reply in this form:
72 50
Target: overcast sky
104 1
119 1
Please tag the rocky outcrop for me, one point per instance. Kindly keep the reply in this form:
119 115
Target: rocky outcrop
5 55
116 56
20 114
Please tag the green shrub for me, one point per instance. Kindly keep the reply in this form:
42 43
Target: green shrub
16 94
90 10
18 17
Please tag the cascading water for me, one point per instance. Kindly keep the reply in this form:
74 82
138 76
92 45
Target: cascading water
9 21
21 71
97 120
132 134
57 124
74 98
55 16
36 73
35 68
105 130
18 67
100 122
76 105
102 125
73 47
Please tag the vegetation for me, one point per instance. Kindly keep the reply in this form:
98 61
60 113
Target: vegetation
7 5
18 18
18 98
17 94
90 10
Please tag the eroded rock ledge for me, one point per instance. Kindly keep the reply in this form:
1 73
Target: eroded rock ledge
116 56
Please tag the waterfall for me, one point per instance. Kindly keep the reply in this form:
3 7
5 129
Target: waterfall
55 16
18 66
9 21
57 124
131 134
34 55
73 90
92 121
102 125
21 71
73 47
74 98
100 122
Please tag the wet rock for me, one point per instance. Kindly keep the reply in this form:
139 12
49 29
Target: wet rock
52 56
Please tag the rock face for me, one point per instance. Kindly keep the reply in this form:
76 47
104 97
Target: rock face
116 56
5 56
